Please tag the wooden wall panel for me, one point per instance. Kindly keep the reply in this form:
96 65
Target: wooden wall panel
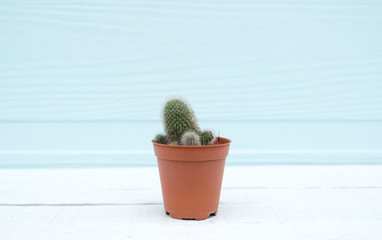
235 61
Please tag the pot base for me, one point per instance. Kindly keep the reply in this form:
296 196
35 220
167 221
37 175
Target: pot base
189 217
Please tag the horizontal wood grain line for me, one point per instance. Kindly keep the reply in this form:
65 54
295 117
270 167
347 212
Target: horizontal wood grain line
241 4
111 160
93 204
73 204
216 10
132 152
185 17
95 65
131 90
122 73
308 187
209 120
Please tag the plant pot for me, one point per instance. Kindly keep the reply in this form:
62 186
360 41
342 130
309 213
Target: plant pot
191 178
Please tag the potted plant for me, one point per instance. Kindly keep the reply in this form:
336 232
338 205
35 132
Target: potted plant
191 163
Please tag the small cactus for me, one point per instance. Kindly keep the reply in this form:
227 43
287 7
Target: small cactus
181 126
190 138
206 137
160 138
174 143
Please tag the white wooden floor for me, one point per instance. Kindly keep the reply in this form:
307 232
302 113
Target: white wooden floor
259 202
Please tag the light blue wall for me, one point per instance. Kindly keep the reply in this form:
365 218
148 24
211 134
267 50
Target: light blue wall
82 82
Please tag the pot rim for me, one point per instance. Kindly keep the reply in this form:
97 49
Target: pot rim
227 142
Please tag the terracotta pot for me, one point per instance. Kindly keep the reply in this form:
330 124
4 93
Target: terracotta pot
191 178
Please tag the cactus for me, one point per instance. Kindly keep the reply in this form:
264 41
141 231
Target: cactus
206 137
174 143
178 118
160 138
190 138
181 126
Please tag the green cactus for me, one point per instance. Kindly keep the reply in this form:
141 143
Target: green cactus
181 126
160 138
178 118
174 143
190 138
206 137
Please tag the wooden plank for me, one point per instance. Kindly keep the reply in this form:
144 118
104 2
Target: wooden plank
116 144
268 202
118 60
